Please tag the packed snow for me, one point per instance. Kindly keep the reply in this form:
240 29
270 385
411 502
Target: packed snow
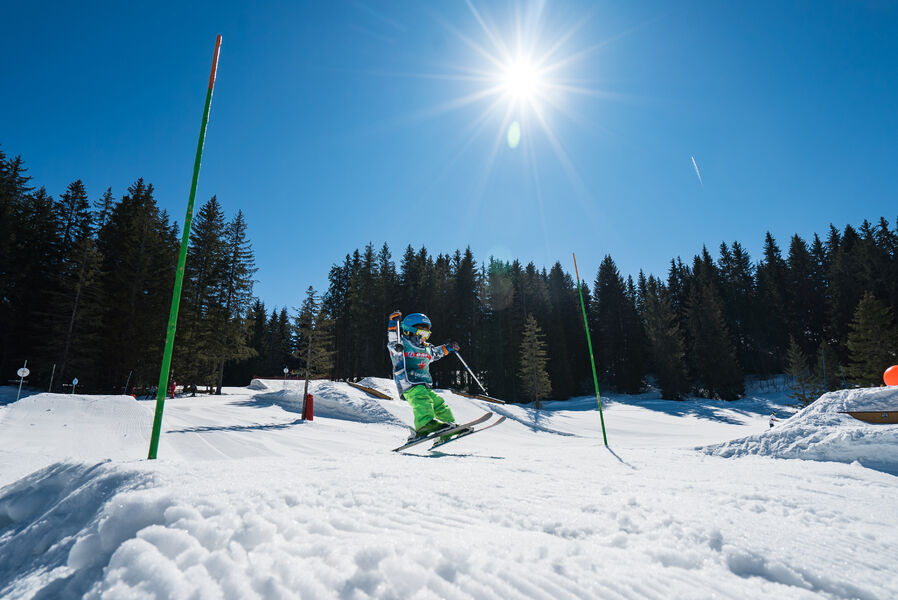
693 499
825 431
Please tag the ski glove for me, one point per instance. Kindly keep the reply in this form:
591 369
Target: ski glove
452 346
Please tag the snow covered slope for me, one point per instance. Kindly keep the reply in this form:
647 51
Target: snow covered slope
824 431
247 501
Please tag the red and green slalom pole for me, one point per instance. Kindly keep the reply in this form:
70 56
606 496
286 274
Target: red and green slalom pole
182 260
591 357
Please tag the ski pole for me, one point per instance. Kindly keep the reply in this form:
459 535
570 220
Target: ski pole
470 371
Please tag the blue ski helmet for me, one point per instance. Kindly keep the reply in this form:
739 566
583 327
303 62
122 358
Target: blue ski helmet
411 323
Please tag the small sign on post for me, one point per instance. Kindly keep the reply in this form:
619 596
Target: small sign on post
22 373
74 383
286 370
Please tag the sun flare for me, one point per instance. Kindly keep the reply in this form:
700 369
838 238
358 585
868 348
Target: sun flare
526 73
522 81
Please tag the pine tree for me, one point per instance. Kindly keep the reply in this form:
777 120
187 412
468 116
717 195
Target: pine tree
712 354
737 290
366 315
804 387
469 311
139 248
279 351
37 263
256 326
828 373
75 302
73 217
772 302
618 334
846 282
234 295
533 377
103 209
872 342
14 199
562 337
313 337
198 346
666 343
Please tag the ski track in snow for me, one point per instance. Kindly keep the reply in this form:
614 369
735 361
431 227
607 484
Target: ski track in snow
247 501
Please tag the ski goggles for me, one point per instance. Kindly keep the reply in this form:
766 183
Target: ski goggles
422 333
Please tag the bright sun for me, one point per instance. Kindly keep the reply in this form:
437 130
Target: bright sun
521 80
524 77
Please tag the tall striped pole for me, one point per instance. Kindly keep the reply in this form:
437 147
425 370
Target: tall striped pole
592 359
182 260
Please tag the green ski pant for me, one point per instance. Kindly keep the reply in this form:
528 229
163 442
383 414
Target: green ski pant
427 406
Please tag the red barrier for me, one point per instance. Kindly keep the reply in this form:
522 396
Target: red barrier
309 414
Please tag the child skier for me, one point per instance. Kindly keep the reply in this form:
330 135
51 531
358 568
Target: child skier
411 356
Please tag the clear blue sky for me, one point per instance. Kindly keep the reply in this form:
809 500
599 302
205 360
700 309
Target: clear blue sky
338 123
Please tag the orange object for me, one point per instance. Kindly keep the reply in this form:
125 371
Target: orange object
310 411
214 62
891 375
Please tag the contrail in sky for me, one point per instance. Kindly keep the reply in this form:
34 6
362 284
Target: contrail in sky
697 173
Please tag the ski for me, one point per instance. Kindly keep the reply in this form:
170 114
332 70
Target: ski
466 434
442 432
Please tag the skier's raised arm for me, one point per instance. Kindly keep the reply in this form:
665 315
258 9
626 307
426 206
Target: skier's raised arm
394 343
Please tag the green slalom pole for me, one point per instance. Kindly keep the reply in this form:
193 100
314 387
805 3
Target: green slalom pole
182 260
589 343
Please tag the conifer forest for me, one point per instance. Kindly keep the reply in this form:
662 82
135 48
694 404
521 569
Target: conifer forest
86 281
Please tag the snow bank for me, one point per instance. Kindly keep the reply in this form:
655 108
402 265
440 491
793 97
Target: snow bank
58 528
823 431
46 428
259 384
332 400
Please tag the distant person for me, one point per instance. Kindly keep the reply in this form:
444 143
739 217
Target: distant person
773 419
171 389
411 356
151 392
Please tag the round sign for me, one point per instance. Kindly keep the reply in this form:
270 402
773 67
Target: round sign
286 370
75 381
23 372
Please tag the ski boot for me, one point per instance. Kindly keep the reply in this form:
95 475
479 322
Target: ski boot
429 428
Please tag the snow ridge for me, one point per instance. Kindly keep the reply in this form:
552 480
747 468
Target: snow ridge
823 431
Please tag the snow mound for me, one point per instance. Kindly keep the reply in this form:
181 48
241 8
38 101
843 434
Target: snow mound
257 384
332 400
60 525
824 432
381 384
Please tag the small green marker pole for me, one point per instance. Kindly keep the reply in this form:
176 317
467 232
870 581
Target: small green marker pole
589 343
182 260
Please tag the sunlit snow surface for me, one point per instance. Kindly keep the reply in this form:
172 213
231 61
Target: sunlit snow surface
246 500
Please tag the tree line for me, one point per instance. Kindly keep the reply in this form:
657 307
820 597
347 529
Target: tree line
85 287
85 290
824 307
